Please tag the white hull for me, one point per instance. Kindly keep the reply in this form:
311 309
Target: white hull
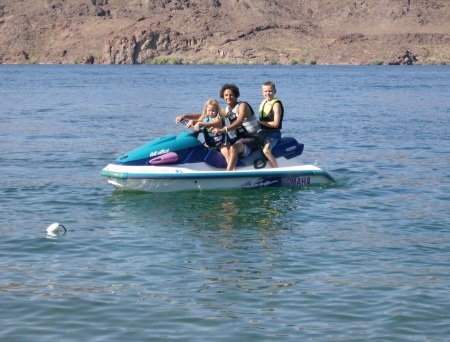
199 176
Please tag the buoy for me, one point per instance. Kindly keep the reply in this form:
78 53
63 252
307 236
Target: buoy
56 228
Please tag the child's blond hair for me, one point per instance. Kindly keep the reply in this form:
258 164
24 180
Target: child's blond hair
216 106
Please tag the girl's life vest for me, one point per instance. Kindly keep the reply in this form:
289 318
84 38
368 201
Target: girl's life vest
218 137
266 114
249 126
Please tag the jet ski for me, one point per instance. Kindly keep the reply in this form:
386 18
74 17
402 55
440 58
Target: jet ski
186 162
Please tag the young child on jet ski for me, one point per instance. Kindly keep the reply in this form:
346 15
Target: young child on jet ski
211 118
270 119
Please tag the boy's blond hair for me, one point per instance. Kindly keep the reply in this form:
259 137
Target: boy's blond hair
270 84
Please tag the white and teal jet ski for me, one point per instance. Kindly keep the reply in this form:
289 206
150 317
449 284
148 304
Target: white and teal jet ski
183 162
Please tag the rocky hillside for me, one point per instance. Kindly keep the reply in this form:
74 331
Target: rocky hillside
225 31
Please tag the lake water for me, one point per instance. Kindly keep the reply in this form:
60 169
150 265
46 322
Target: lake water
365 259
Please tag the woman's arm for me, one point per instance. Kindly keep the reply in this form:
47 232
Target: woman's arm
182 117
243 111
214 124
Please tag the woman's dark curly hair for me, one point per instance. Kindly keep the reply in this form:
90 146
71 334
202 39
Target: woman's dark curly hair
232 87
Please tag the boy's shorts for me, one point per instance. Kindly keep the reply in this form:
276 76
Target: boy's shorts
271 137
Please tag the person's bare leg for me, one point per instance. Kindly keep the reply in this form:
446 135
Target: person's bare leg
269 156
234 152
225 150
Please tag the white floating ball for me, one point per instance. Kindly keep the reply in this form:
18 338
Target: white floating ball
56 228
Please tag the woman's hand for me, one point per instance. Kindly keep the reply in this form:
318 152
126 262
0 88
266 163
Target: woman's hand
179 118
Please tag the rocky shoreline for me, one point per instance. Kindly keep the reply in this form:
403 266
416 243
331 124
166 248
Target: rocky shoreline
389 32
